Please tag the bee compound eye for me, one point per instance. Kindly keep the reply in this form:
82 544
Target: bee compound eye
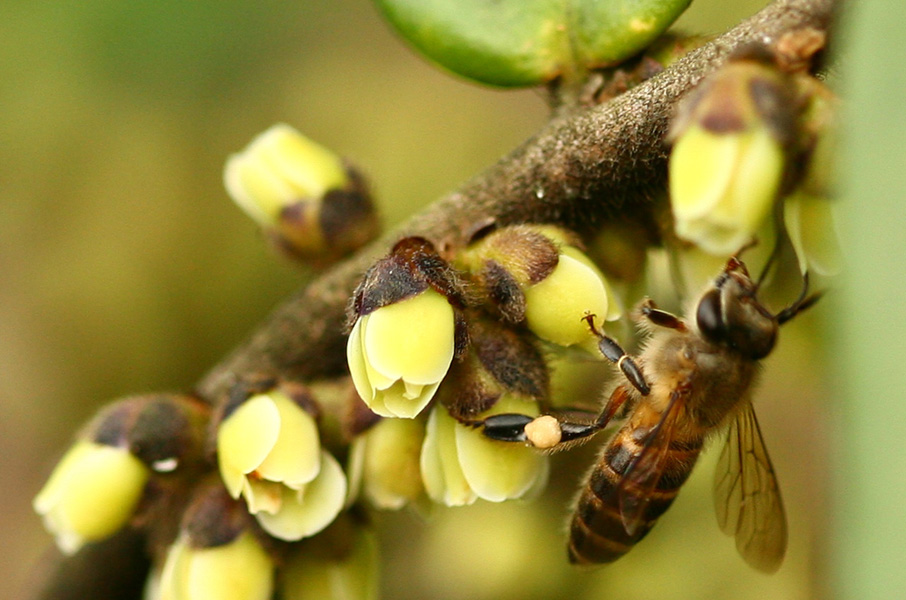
709 318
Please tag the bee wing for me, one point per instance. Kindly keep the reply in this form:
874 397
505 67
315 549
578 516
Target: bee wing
641 477
747 497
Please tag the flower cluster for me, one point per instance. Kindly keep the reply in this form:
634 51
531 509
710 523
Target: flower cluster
476 319
275 481
738 140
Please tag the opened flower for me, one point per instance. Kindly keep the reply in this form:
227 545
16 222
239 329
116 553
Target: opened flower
269 452
399 354
405 332
91 494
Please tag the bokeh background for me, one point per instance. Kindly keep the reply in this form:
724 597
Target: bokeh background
124 268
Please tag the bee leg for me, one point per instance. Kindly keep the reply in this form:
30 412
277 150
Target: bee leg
615 354
549 432
545 432
659 317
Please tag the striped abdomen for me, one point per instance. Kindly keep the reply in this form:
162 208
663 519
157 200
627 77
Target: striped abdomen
597 531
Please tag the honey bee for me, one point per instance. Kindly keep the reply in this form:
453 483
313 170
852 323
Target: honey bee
693 379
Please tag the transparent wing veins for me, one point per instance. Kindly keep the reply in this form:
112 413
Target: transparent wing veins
747 497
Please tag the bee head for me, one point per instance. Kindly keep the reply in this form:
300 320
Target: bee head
729 314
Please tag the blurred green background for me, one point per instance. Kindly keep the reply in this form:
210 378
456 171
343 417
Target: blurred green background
124 268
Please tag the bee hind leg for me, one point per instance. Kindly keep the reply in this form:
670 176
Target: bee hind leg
551 432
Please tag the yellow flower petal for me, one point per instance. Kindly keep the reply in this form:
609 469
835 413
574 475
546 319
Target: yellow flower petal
614 305
555 307
240 570
295 457
498 471
701 165
280 167
722 186
411 339
175 573
61 475
394 402
245 438
311 509
812 228
262 496
355 357
439 462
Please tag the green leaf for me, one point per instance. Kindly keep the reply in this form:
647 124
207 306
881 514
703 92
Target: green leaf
526 42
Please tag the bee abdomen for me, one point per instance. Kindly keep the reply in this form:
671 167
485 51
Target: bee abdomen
597 532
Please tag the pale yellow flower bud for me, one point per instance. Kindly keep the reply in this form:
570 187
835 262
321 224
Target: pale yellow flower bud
301 194
237 570
460 465
350 575
91 494
387 459
556 306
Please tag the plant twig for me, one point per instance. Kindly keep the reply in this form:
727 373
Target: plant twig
586 166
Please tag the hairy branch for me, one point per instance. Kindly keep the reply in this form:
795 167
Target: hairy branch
584 167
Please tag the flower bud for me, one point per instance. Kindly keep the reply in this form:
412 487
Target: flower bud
97 486
269 452
301 194
405 331
810 211
91 494
459 464
386 457
339 564
537 274
729 155
812 226
215 557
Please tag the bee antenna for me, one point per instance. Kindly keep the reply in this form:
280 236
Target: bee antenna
801 303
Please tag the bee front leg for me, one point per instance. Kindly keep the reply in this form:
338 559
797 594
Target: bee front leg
661 318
